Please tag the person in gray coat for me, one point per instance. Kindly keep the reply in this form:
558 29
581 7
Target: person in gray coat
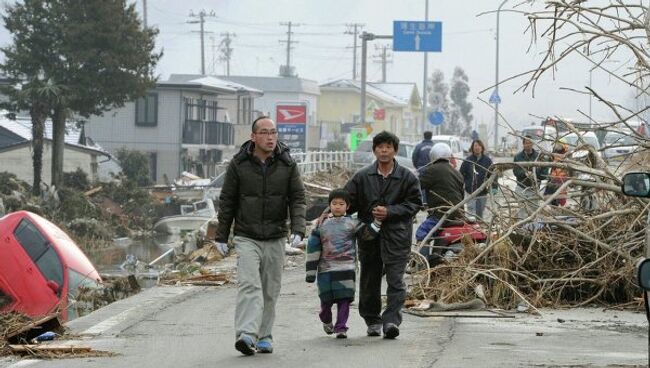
386 193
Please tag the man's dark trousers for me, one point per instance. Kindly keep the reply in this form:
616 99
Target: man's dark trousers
372 268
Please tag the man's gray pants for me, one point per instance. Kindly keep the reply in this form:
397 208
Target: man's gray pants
259 273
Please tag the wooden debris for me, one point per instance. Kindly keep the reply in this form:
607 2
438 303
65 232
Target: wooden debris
93 191
47 348
559 256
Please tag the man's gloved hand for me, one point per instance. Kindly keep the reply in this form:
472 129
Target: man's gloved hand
294 240
310 279
222 248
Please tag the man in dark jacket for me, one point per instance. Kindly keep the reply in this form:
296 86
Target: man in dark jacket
443 188
475 171
262 188
528 179
390 194
420 156
442 184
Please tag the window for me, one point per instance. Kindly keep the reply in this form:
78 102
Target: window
193 132
5 299
146 110
31 240
40 251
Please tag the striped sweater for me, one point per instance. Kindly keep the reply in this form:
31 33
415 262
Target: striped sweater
331 258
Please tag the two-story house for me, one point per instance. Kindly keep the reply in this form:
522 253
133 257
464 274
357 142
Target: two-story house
186 123
395 107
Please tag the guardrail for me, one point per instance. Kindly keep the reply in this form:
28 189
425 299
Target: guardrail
312 162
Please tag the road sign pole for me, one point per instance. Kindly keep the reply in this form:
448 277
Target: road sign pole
365 36
424 83
496 86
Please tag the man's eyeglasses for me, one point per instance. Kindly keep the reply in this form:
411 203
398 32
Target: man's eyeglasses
271 133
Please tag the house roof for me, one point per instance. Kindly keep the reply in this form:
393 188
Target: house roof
402 91
371 89
208 83
278 84
21 130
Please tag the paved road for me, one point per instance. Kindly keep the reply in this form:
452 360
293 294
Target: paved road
193 327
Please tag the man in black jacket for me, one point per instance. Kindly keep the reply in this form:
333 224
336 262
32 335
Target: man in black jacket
261 189
384 192
420 156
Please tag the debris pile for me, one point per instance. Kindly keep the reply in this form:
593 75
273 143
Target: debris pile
21 335
580 254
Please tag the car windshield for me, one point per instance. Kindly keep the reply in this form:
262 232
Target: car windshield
573 141
619 139
534 133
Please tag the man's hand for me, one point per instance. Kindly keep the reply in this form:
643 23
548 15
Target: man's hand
222 248
294 240
380 213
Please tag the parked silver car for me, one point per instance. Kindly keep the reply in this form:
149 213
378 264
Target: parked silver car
619 145
364 155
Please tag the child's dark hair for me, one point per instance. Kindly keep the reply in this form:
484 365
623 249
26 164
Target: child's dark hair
339 194
385 137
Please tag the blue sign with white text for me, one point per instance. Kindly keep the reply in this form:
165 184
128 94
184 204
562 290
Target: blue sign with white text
417 36
294 136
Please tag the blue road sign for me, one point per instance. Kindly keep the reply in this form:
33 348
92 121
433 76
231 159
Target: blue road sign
436 118
417 36
494 97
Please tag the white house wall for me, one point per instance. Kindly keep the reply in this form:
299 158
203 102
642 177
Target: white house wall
116 129
19 162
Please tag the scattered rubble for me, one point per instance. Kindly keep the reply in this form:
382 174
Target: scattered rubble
577 255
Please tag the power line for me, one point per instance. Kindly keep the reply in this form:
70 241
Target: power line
201 20
354 29
287 70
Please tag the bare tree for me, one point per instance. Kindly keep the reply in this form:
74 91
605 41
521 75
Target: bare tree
597 31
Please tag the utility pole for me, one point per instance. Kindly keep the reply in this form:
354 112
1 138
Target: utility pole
353 29
286 70
365 37
144 13
226 50
383 56
201 20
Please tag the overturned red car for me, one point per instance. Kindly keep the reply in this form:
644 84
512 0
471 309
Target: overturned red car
41 268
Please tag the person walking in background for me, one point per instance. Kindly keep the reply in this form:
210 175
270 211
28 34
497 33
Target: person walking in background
475 170
389 193
558 175
528 179
443 189
420 156
331 260
262 188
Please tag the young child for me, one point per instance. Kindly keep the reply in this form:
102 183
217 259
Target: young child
331 260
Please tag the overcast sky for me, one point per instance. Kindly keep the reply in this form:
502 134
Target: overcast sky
323 50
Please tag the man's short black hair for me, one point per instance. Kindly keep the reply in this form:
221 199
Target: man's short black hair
339 193
428 135
258 119
385 137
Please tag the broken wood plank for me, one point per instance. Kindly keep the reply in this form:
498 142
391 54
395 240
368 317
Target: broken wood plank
316 186
459 315
49 348
93 191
